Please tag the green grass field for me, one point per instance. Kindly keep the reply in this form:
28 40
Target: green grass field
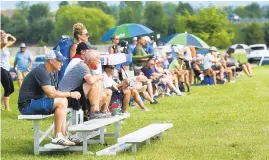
228 121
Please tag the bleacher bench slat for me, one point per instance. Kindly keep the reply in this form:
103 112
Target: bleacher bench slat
145 133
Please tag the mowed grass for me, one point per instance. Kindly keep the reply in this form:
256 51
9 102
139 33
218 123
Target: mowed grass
228 121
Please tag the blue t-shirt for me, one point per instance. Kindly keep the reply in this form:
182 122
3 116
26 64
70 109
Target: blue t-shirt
23 60
131 48
149 48
148 71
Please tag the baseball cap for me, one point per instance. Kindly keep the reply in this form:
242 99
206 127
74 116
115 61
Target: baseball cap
213 49
84 46
53 54
134 39
22 45
109 66
147 38
180 56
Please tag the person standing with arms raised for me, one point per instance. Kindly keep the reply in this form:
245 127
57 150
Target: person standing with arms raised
6 80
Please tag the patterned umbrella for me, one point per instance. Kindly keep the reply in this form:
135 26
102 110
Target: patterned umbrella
238 46
127 30
186 40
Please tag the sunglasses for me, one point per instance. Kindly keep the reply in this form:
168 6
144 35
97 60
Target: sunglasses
86 34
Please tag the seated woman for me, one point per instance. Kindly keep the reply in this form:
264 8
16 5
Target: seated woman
115 48
141 83
123 87
161 78
232 62
170 77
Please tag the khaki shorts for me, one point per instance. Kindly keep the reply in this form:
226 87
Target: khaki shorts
21 75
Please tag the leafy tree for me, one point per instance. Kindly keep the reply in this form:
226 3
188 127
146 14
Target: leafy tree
266 33
38 11
253 34
18 27
254 10
241 12
63 3
170 12
210 24
155 18
67 16
96 4
40 29
4 22
23 7
130 12
182 7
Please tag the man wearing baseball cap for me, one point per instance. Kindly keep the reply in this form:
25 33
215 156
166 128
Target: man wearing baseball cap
38 95
23 62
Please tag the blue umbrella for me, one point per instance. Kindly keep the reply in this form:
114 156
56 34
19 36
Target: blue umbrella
127 30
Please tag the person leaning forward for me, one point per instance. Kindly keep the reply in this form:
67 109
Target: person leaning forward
38 96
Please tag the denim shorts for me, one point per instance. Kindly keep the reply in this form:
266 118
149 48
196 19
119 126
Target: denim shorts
43 106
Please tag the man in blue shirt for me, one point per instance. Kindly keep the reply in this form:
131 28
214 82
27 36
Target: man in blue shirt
23 61
132 46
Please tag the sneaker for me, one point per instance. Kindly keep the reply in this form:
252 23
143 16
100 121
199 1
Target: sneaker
61 140
108 114
96 115
73 138
154 102
145 109
167 94
180 94
133 104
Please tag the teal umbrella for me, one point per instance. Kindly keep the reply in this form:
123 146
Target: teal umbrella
185 39
127 30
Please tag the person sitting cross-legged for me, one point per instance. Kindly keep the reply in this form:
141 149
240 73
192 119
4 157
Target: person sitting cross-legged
38 96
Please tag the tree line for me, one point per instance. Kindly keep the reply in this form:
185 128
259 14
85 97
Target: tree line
35 24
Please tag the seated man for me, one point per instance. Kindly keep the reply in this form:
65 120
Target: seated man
124 88
178 68
79 78
38 96
151 73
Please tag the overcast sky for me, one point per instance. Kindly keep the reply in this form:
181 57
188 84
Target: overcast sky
54 4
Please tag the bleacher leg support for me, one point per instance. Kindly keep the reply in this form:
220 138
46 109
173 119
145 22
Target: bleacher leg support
36 137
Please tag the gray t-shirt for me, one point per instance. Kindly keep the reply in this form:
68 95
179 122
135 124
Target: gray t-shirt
74 77
31 86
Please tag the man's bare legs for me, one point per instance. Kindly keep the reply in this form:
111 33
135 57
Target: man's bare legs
60 108
93 93
105 101
126 99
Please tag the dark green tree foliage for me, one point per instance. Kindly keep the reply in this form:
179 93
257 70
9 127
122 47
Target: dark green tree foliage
94 19
266 33
130 12
241 12
4 22
23 7
63 3
17 26
38 11
96 4
254 10
182 7
170 12
253 34
155 18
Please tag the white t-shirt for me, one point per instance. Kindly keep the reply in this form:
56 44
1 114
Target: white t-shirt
108 81
208 61
187 55
71 64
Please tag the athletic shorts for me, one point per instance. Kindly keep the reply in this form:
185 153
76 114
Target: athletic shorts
43 106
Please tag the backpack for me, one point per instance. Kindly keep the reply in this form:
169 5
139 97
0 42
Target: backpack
64 45
208 80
